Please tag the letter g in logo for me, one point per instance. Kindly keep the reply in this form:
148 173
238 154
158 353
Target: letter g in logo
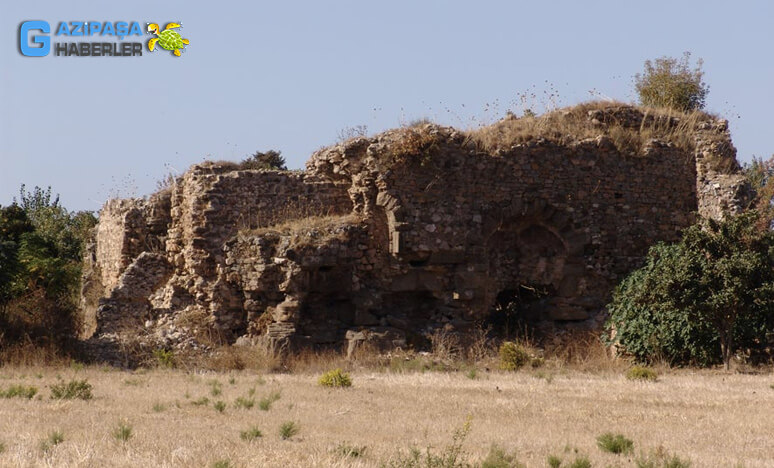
44 41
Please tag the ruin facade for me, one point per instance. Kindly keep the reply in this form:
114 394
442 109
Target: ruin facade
389 238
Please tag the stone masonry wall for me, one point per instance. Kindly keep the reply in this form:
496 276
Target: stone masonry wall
387 239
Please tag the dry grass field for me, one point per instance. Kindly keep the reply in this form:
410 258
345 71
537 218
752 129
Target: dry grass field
173 418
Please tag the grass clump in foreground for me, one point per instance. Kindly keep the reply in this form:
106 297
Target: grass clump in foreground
499 458
19 391
251 434
451 457
53 439
641 373
265 403
288 429
220 406
122 432
335 378
660 458
512 356
352 451
615 443
73 389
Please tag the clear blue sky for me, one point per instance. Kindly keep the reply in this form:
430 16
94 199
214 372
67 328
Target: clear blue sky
290 75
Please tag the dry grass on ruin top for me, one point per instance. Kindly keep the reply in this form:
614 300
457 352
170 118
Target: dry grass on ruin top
314 227
176 418
572 124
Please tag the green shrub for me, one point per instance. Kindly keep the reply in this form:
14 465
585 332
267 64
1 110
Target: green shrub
2 447
265 403
700 300
513 356
580 462
554 461
269 160
225 463
660 458
19 391
670 82
451 457
164 358
80 389
288 429
498 458
352 451
220 406
122 432
614 443
159 407
251 434
641 373
246 403
215 388
203 401
54 438
335 378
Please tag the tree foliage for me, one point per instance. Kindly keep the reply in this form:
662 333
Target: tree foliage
41 247
670 82
269 160
700 300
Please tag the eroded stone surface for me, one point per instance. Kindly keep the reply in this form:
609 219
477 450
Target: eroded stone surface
404 237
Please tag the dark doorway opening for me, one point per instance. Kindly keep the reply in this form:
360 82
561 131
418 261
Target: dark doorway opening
517 310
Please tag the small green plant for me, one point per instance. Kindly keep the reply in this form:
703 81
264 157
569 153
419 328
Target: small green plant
580 462
288 429
513 356
270 159
266 402
80 389
215 388
54 438
159 407
660 458
499 458
122 432
348 450
615 443
641 373
246 403
472 374
220 406
554 461
203 401
232 380
224 463
335 378
2 447
164 357
452 456
251 434
19 391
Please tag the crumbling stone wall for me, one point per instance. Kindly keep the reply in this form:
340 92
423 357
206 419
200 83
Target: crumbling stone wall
386 239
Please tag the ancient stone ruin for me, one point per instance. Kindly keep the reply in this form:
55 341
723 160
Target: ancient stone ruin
389 238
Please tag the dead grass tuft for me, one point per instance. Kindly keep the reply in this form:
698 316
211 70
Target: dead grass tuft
616 120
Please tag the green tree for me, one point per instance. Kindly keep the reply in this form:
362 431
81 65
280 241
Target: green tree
13 225
41 250
269 160
702 299
670 82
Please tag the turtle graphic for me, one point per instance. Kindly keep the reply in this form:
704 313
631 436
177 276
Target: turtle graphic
168 39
